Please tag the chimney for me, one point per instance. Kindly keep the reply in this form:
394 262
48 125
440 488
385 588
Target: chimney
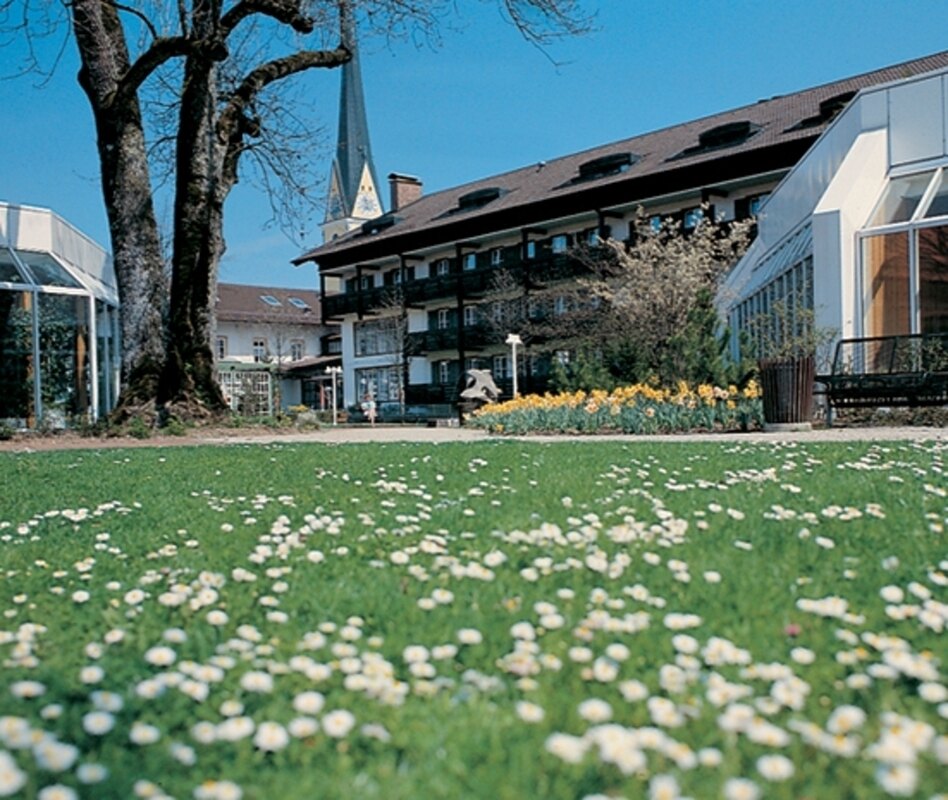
405 189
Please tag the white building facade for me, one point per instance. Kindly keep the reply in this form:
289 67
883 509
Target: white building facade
859 227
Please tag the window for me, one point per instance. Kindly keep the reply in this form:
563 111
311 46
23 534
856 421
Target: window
297 349
382 384
692 218
259 349
496 257
559 243
593 237
903 270
755 202
366 282
444 372
497 311
444 319
270 300
654 222
562 357
470 261
442 267
470 316
299 303
501 370
900 199
560 304
397 277
376 337
530 250
534 309
220 348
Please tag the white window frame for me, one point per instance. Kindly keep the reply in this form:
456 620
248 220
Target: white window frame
444 319
220 348
261 348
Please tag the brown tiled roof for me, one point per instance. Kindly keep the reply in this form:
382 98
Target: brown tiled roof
665 164
239 303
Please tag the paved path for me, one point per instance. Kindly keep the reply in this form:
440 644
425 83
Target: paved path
381 433
395 433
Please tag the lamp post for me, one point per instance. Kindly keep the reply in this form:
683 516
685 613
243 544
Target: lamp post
513 340
333 373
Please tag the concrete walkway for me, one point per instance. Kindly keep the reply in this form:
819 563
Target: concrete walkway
397 433
384 433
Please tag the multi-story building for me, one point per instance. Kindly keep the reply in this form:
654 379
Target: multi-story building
272 348
412 288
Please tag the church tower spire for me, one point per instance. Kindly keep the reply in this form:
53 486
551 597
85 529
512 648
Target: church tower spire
353 186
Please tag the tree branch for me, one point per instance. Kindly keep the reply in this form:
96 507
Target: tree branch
136 13
285 11
161 51
271 72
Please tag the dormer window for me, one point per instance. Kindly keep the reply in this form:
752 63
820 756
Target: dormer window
478 198
270 300
829 109
730 134
379 224
604 166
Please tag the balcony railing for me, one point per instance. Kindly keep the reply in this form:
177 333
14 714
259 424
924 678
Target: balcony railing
436 339
473 284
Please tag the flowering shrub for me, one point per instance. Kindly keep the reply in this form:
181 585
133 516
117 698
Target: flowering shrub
640 408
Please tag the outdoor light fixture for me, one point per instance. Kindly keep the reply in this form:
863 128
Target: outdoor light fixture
513 339
333 372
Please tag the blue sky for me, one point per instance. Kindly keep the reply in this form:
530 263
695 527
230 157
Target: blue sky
485 101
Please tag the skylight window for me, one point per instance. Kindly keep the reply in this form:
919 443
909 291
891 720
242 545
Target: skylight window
47 270
299 303
270 300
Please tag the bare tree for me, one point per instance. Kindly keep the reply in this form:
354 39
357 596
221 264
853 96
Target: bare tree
215 63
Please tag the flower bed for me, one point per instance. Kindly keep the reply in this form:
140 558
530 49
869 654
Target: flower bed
640 408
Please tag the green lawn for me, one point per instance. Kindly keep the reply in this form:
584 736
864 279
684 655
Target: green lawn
491 620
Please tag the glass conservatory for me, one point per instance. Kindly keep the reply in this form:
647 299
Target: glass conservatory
59 347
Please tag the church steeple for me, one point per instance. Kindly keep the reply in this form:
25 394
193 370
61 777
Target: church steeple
353 186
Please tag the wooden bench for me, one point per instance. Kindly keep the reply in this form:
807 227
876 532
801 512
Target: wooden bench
909 370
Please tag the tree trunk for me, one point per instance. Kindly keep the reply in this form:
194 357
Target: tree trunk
188 387
136 249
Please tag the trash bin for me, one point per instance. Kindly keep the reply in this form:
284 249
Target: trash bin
787 387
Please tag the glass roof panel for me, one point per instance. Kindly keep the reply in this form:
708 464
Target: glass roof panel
939 204
900 199
9 273
47 270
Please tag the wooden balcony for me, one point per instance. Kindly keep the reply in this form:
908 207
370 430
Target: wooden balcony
446 339
472 284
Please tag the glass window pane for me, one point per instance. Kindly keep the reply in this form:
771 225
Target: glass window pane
8 269
16 358
933 278
64 357
939 204
900 199
886 272
46 270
